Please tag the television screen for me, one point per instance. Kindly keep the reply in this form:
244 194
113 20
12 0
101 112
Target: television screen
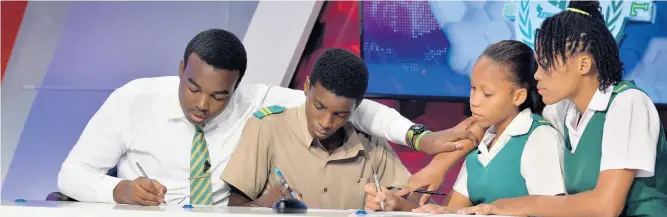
427 49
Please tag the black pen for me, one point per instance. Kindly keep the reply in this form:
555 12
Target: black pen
146 176
430 192
422 191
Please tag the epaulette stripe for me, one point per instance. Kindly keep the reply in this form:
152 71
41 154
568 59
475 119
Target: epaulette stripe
265 111
620 88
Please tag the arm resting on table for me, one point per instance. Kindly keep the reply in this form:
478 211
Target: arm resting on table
102 142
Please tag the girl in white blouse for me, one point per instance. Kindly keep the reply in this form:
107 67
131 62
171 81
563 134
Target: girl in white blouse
518 155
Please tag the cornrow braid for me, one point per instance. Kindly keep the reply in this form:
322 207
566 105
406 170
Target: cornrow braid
571 32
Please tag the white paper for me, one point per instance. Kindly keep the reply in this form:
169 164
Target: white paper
394 213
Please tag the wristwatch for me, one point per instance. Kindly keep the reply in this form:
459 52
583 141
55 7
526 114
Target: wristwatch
414 131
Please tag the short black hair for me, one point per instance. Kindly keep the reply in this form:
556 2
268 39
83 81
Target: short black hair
220 49
518 59
570 32
341 72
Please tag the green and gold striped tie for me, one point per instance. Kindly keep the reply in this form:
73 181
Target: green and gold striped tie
200 175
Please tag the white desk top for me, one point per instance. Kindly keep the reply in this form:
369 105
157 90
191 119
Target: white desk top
75 209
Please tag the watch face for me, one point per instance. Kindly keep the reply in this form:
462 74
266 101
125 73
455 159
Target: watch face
417 127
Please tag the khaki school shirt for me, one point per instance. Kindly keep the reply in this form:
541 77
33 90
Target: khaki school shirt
325 181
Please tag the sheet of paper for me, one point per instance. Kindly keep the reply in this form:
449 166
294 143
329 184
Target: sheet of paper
457 215
332 210
397 214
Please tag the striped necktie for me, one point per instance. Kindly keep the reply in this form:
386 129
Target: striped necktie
200 180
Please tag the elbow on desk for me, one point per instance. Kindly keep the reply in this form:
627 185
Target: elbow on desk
65 181
72 184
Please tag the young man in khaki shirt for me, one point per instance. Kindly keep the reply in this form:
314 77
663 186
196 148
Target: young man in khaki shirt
317 151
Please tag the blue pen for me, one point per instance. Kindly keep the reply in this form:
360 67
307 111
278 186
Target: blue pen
282 178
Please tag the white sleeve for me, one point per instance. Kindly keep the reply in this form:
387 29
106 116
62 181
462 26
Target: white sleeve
555 114
371 117
101 144
631 133
541 162
381 121
461 184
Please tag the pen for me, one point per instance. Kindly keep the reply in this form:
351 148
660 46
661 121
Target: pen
146 176
421 191
282 179
377 185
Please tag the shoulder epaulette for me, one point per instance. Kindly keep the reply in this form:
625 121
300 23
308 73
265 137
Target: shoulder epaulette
540 120
266 111
624 85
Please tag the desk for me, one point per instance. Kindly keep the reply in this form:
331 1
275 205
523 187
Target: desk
76 209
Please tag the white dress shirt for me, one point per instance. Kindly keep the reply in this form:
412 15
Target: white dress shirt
630 133
143 122
540 160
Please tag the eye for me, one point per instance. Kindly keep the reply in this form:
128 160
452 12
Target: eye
318 106
342 115
193 89
219 98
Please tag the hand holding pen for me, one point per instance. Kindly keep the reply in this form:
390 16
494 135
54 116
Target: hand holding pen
286 186
377 186
140 191
156 188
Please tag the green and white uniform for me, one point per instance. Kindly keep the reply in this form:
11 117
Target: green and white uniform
524 160
620 129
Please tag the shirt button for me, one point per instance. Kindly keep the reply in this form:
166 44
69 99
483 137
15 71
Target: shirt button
325 189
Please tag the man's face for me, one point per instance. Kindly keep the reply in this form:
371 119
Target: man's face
325 111
204 91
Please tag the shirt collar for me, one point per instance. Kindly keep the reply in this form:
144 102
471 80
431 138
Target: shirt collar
174 112
600 99
520 125
173 109
352 145
303 125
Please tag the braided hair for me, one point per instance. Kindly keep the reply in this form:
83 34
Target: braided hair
581 28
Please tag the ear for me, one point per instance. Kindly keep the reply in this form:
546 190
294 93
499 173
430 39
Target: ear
584 63
306 84
520 96
181 69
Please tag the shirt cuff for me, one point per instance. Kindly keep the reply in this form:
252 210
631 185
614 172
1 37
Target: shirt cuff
105 189
399 130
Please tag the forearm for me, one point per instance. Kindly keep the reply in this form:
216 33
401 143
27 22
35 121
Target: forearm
85 184
236 199
457 200
445 160
407 205
585 204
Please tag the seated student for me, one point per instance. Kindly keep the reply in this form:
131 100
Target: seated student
615 151
518 154
314 146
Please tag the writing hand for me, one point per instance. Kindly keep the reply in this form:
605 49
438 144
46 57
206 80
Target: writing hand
274 193
373 198
140 191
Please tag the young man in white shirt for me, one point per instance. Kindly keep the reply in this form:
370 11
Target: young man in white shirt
156 122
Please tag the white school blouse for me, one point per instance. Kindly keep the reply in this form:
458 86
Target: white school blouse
540 160
630 133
